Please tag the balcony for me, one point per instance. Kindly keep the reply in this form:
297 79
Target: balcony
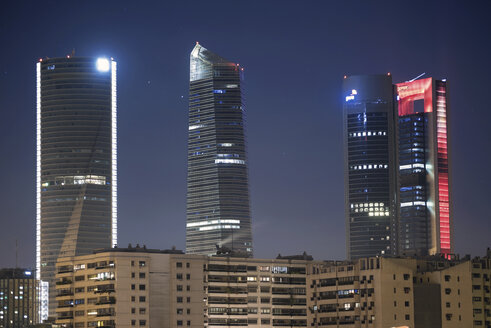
63 282
107 301
65 269
65 316
62 293
109 314
108 290
64 305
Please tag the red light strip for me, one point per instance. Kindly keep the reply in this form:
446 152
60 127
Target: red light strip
443 192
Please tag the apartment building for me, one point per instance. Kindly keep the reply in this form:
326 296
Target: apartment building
130 287
256 292
400 292
152 288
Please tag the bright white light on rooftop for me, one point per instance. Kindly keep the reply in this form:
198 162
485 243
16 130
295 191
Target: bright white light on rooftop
102 64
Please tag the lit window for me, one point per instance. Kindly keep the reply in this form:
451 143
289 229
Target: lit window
229 161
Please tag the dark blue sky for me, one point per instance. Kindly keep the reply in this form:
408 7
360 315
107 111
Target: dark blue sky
295 55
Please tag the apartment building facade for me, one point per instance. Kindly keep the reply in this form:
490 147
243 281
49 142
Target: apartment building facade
137 287
256 292
400 292
130 287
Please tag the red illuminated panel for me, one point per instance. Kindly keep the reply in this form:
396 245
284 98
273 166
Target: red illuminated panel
408 92
443 192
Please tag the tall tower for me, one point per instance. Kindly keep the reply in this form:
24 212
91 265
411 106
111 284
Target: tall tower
76 161
425 224
218 212
369 162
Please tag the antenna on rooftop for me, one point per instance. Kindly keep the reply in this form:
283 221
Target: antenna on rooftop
417 77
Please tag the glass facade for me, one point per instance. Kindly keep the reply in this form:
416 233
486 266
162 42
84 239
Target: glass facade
369 165
414 218
76 160
218 212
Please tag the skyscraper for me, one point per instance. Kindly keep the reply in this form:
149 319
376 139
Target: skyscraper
410 196
76 160
218 212
369 161
425 225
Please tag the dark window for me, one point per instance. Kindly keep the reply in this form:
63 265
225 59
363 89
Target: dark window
133 310
142 299
132 286
179 288
406 276
179 322
188 276
142 287
142 264
132 275
407 317
142 274
188 299
178 264
179 311
188 265
179 276
179 299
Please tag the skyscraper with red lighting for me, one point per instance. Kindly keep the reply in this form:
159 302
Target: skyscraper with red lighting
397 190
424 217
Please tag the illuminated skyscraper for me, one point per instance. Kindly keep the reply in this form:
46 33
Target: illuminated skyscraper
218 212
425 224
76 161
397 167
370 170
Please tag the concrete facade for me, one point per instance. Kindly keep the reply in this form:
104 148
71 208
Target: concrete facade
139 287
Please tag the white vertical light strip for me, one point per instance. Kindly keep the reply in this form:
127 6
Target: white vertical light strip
38 170
114 158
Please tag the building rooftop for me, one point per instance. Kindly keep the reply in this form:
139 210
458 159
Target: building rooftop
139 249
16 273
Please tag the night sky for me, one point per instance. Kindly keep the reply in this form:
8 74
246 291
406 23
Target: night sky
295 55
